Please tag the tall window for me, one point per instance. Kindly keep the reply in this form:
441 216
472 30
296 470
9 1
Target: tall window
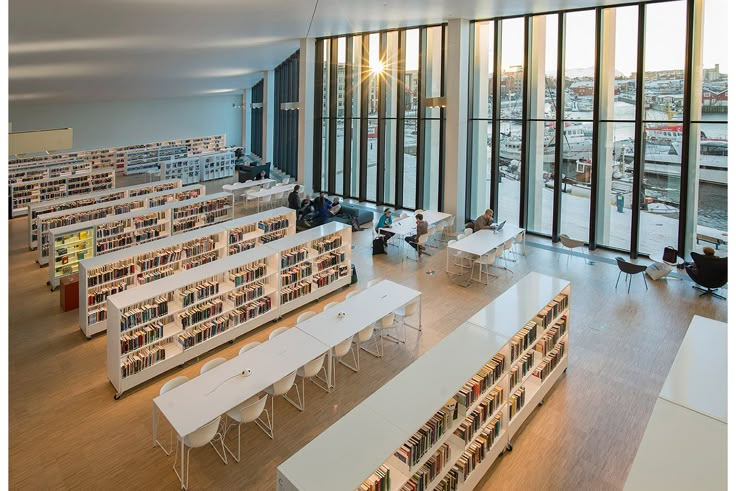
378 142
600 130
286 122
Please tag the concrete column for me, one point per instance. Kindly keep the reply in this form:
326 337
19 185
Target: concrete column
480 181
305 164
456 130
268 114
692 179
607 156
535 134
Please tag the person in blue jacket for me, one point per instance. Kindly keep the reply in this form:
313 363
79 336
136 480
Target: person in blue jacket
385 222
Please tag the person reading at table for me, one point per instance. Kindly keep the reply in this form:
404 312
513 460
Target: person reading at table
385 222
294 198
484 222
412 240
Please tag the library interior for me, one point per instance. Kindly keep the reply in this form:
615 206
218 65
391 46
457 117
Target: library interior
487 242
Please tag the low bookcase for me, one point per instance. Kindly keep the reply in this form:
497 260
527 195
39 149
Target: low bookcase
444 419
150 330
102 276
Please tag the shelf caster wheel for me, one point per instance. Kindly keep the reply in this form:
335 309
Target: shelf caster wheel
116 397
232 341
565 371
48 283
89 338
541 403
509 447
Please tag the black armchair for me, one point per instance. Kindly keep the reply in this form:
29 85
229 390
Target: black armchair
630 269
710 273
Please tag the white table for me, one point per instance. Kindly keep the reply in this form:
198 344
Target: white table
484 241
230 188
263 193
404 227
202 399
361 310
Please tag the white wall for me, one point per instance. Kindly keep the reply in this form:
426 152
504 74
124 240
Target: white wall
109 124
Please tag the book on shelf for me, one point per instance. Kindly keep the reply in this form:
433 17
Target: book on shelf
380 480
516 401
480 415
429 471
550 362
414 449
483 380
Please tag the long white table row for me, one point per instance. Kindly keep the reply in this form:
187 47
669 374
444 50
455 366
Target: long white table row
483 242
210 395
407 226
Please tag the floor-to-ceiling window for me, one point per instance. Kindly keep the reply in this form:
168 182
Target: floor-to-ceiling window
377 140
610 123
256 118
286 116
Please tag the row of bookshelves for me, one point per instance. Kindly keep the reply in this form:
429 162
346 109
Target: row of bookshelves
407 443
24 194
139 161
49 170
113 233
199 168
152 328
118 157
103 276
47 222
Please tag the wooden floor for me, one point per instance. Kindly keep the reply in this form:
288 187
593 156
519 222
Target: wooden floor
66 431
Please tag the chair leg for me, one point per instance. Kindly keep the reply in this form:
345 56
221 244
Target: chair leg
299 403
628 276
378 353
618 278
356 361
324 387
266 426
645 280
236 458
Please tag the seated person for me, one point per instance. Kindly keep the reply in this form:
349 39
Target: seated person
334 210
422 226
294 198
484 222
321 209
261 175
384 222
305 209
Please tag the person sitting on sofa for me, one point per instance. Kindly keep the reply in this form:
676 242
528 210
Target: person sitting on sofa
334 210
261 175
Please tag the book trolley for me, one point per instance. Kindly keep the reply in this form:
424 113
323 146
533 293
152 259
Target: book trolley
37 209
159 326
49 221
102 276
441 422
71 244
23 194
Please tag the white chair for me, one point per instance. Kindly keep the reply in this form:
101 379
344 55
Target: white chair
383 325
404 215
518 239
248 346
248 412
439 232
365 335
171 384
449 227
286 180
280 388
571 244
248 196
468 231
431 230
305 316
374 282
508 246
499 255
421 242
461 236
265 202
340 351
406 311
196 439
352 294
309 371
212 364
330 305
456 256
277 331
486 260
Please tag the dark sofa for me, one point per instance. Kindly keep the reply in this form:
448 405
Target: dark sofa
249 172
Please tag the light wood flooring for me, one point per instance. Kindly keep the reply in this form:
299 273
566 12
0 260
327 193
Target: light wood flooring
66 431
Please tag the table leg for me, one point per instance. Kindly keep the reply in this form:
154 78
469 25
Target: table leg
155 424
182 462
331 366
523 241
420 314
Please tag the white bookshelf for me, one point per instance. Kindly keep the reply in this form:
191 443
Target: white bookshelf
169 288
71 202
47 170
185 169
202 211
114 233
216 166
63 218
367 437
685 443
143 160
116 156
143 264
23 194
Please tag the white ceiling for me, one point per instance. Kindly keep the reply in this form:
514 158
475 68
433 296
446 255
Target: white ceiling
78 50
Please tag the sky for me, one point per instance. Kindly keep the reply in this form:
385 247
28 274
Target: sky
665 39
